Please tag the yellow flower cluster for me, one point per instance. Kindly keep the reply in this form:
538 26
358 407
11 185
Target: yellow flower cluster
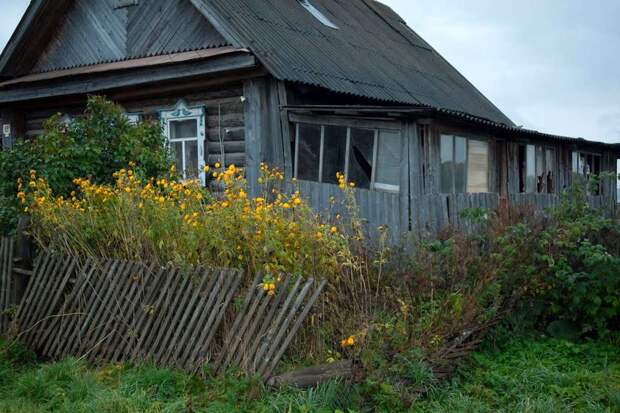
342 181
167 220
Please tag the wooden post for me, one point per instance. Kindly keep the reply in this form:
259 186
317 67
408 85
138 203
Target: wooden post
24 252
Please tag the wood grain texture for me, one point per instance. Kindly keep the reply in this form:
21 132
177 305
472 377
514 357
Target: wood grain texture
95 31
114 310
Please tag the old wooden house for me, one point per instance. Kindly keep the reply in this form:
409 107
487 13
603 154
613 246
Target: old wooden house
315 87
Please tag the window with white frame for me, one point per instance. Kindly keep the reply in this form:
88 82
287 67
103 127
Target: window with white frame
537 169
368 157
464 165
184 128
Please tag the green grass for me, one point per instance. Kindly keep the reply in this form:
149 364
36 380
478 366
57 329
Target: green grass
528 375
525 375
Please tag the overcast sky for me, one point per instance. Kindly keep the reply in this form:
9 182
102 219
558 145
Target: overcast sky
550 65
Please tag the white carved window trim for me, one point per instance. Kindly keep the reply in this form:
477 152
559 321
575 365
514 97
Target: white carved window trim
183 112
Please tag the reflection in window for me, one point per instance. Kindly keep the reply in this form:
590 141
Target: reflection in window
464 165
309 147
368 157
335 153
536 169
387 175
184 145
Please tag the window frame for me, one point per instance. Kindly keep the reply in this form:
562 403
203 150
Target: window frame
349 125
467 138
182 112
537 148
587 176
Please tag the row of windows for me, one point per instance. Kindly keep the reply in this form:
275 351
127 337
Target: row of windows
368 157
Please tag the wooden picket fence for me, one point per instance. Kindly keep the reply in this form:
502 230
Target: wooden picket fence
266 325
6 281
112 310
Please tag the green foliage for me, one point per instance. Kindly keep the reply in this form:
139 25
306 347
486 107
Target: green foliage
533 375
91 146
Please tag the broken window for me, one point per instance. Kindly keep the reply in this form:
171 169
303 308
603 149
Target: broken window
335 154
309 149
536 169
464 165
361 157
368 157
588 166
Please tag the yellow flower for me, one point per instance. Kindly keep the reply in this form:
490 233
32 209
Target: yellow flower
218 165
348 342
333 230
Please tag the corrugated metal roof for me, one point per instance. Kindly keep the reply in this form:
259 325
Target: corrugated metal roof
373 53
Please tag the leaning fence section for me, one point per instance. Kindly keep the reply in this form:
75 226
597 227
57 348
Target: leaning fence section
266 325
113 310
6 281
119 310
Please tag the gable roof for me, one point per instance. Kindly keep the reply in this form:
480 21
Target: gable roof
91 32
372 54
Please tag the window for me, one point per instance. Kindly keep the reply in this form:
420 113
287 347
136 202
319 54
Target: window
133 118
464 165
185 129
317 14
618 180
368 157
537 166
588 166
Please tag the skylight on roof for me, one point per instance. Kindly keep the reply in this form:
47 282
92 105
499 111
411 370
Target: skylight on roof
317 14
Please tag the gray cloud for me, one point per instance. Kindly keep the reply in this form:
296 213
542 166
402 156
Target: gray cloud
550 65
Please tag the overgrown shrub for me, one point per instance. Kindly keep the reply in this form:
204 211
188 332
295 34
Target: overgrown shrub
165 220
91 146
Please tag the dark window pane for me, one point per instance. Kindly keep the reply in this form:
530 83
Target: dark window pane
360 157
540 168
177 154
447 164
460 168
309 152
335 152
191 159
388 158
184 129
550 170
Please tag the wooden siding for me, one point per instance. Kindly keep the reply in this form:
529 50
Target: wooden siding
225 119
95 31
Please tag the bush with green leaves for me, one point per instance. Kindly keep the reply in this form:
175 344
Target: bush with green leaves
93 146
